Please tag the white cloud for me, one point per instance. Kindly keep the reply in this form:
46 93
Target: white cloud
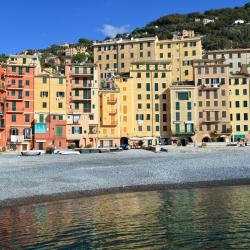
112 31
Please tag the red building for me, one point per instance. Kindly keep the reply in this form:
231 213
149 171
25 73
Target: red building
2 113
50 133
19 107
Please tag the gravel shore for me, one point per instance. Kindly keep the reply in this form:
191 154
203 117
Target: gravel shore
36 177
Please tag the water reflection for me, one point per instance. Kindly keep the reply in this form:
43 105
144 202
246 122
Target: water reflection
214 218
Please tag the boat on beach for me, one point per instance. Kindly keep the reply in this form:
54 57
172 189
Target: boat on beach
31 153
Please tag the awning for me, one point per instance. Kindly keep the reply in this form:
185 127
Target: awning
239 136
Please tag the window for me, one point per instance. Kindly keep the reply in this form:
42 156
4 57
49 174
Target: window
224 114
155 75
13 118
208 103
60 80
44 105
200 92
164 118
207 70
156 87
200 104
214 70
200 115
237 127
223 103
189 105
99 57
148 86
141 54
122 65
169 55
148 105
157 118
208 127
207 94
177 128
138 75
183 96
148 75
237 92
161 55
60 117
131 55
215 94
189 116
245 127
177 106
149 54
164 96
148 97
60 105
59 131
223 92
244 91
141 46
44 79
157 128
193 53
216 103
27 118
164 107
156 107
44 94
60 94
245 104
139 85
139 106
164 85
161 46
208 115
122 56
148 128
156 96
139 96
27 82
163 74
27 93
186 53
237 104
186 72
199 70
245 116
148 117
177 116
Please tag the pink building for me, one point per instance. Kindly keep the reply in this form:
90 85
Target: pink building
212 95
2 113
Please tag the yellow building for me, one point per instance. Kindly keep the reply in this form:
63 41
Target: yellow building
116 55
181 50
145 102
50 111
239 104
183 110
109 127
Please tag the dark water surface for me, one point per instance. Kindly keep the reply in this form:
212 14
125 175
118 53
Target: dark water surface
205 218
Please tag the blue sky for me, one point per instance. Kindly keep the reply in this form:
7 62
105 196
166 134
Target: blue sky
38 24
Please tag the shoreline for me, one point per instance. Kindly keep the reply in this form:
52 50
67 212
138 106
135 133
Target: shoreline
36 199
27 180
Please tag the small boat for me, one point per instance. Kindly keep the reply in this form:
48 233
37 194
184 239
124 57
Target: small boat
67 152
30 153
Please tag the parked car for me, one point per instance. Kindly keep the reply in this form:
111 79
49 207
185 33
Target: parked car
125 146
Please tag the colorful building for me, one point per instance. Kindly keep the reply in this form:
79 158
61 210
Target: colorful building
50 111
183 113
2 109
235 58
145 103
212 100
19 107
82 104
181 50
115 56
109 104
239 104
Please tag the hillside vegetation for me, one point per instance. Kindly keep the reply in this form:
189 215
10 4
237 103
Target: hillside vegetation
220 34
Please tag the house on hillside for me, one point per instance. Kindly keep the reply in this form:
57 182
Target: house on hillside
239 22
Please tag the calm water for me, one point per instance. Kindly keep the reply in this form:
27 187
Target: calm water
208 218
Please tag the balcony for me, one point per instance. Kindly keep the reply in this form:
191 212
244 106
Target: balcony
210 86
184 134
111 100
110 124
14 98
82 73
210 121
14 86
113 112
17 73
84 85
80 98
15 110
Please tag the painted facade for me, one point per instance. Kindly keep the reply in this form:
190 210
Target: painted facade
50 111
2 109
239 104
212 97
82 104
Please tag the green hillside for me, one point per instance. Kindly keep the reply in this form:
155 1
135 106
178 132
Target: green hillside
220 34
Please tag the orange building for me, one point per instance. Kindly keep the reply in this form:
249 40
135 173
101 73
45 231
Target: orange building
19 107
2 114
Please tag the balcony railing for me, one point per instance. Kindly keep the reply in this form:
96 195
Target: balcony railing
111 100
15 110
84 85
14 86
80 98
14 98
16 73
212 120
210 86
